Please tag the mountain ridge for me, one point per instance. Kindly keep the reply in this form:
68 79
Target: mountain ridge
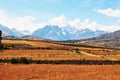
65 33
53 32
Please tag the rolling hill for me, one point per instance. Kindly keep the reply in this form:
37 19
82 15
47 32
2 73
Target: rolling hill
107 40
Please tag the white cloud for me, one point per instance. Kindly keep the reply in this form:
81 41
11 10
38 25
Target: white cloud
2 12
20 23
75 23
27 23
93 25
83 24
109 12
109 28
61 21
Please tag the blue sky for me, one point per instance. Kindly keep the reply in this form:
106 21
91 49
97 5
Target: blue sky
77 13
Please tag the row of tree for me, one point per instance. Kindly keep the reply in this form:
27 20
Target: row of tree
24 60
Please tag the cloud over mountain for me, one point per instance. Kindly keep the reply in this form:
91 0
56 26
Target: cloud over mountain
110 12
61 21
22 23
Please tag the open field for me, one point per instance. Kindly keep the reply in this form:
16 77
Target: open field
41 50
47 55
59 72
51 51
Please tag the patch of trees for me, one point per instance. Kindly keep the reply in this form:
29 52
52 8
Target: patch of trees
1 46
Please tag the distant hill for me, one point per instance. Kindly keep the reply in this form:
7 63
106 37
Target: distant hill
29 37
107 40
114 34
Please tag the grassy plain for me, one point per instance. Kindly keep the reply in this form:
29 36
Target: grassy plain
59 72
53 51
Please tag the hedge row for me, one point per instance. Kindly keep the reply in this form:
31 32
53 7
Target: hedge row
24 60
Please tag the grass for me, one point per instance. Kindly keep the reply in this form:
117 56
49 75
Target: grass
61 62
57 51
59 72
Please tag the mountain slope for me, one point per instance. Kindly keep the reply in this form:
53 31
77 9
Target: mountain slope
10 32
114 34
17 33
107 40
50 32
6 31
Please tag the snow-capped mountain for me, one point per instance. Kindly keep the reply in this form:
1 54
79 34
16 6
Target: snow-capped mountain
16 32
10 32
50 32
87 33
54 32
65 33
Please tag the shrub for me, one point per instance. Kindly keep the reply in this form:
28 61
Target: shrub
13 61
24 60
77 51
1 46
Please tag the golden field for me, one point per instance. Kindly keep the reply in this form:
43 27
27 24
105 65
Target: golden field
59 72
42 50
57 51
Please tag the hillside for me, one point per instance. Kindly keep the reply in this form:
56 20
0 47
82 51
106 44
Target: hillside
107 40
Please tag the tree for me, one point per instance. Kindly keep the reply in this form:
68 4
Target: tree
1 46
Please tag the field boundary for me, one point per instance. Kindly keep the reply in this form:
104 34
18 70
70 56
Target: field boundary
24 60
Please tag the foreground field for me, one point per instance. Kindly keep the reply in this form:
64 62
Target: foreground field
59 72
51 51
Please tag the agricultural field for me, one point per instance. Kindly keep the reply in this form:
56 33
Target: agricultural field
42 50
59 72
55 69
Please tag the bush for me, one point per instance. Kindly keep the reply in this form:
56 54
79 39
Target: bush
77 51
1 46
24 60
13 61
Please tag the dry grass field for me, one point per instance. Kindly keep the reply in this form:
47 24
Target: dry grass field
48 55
59 72
32 43
54 51
58 52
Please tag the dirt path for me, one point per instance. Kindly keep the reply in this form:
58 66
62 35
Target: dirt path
106 57
89 54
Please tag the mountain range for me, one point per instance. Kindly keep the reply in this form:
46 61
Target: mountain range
66 33
50 32
54 33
